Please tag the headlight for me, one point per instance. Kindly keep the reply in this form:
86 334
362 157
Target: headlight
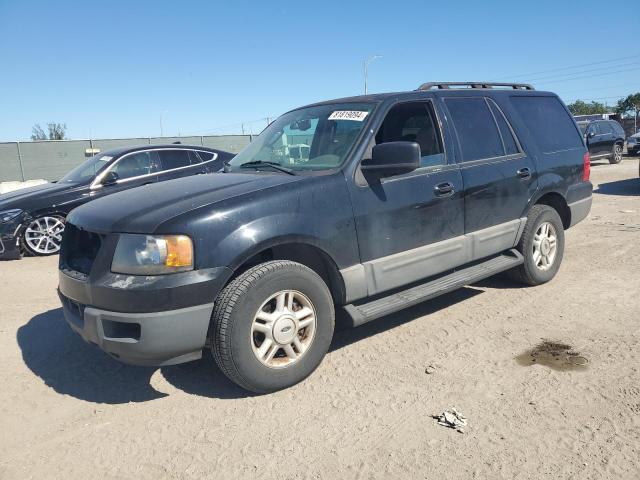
8 215
632 140
152 255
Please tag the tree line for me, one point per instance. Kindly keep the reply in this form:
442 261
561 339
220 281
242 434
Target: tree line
56 131
626 106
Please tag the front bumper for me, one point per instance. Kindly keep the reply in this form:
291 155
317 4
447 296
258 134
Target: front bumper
161 320
149 339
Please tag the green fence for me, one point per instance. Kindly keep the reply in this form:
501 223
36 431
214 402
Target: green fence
52 159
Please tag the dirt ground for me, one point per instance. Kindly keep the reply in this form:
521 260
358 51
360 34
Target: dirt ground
69 411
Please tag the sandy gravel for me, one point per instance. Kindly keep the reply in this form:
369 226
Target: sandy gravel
68 411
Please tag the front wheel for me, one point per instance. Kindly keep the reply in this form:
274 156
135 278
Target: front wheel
541 245
43 235
272 326
616 154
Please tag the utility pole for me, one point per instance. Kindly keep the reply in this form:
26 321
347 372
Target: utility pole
161 127
365 65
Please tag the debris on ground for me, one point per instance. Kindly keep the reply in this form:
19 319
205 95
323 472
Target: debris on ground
452 418
430 369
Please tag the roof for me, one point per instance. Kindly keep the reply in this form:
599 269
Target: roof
439 88
115 152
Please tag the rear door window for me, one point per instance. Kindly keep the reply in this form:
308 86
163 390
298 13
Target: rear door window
510 145
477 130
548 122
604 128
172 159
194 158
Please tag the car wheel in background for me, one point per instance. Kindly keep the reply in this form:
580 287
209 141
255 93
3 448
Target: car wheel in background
43 235
542 246
616 155
272 326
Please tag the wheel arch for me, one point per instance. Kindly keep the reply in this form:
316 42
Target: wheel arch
558 202
295 249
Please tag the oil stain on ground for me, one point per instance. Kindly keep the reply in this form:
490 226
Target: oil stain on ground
555 355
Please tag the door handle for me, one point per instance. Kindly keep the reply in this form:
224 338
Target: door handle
524 173
444 189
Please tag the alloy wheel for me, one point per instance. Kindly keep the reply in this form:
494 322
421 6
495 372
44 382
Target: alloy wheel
617 153
44 235
283 329
545 246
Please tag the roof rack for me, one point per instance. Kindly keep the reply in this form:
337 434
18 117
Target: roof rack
457 85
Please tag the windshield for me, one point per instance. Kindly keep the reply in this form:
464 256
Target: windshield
87 170
313 138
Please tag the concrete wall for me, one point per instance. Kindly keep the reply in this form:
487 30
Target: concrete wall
51 160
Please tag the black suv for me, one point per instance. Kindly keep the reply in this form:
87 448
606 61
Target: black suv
32 219
604 139
401 197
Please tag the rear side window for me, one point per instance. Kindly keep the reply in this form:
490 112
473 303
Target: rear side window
617 128
174 159
477 131
205 156
548 122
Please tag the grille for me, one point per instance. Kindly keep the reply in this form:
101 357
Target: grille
79 249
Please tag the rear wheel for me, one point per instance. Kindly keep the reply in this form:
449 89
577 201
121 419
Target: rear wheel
616 154
542 246
43 235
272 326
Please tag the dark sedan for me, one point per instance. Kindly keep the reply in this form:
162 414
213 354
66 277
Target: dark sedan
32 219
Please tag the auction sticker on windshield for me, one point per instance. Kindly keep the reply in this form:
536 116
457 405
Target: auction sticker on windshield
348 115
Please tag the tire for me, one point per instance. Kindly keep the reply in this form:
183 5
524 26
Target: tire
43 235
238 337
533 271
616 154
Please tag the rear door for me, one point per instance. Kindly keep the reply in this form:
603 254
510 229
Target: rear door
499 178
606 138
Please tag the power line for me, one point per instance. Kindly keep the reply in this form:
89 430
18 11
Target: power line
623 85
590 76
570 67
597 69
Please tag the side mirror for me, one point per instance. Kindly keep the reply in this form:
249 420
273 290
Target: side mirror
393 158
591 134
111 178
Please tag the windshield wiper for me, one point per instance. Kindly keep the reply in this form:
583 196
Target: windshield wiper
260 163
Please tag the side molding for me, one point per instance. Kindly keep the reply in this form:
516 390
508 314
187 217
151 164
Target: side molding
393 271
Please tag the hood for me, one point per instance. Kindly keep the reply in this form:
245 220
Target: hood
143 209
35 198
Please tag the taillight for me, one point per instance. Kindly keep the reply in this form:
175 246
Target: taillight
586 167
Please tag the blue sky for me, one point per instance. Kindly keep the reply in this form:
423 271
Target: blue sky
112 68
